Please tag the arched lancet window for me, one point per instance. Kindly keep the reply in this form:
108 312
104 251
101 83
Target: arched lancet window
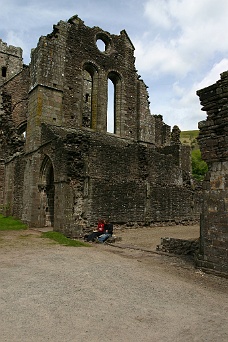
89 112
114 103
87 99
111 107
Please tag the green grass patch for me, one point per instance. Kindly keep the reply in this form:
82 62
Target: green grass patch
9 223
63 240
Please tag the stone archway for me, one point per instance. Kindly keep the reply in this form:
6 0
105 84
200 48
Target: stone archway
47 193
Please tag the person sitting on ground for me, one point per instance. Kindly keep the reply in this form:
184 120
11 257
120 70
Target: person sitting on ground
108 231
94 235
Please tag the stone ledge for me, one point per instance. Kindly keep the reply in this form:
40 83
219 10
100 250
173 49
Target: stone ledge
178 246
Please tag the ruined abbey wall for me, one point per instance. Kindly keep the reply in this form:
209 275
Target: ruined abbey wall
61 166
213 140
100 175
11 62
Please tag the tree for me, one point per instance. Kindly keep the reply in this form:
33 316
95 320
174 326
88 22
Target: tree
199 166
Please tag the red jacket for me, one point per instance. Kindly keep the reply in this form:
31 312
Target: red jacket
100 227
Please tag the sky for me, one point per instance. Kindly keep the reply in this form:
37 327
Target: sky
180 45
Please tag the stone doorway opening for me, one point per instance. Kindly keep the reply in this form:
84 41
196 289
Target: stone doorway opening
47 193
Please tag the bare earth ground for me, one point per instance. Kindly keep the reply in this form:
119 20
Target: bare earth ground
104 293
150 237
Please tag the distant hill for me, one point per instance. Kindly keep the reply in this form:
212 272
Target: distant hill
190 138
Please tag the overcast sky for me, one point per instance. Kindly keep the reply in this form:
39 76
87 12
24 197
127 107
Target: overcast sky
180 45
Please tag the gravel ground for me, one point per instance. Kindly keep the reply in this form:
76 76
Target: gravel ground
55 293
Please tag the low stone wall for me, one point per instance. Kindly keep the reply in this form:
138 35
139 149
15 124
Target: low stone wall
178 246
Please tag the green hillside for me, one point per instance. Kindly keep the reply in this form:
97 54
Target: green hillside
190 138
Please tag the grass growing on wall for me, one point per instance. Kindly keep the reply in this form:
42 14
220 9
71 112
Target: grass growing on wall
9 223
63 240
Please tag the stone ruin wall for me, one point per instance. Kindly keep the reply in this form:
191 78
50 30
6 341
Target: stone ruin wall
57 64
11 62
13 109
145 174
213 141
132 185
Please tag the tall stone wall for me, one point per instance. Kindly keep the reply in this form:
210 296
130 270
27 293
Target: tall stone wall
213 141
62 167
14 186
14 112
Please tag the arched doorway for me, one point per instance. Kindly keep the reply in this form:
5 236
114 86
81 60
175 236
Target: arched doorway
47 193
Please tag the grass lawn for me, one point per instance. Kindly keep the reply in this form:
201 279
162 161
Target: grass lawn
9 223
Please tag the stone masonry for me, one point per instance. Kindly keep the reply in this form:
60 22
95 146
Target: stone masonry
213 140
60 165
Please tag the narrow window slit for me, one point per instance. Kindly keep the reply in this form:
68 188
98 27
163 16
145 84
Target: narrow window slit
4 71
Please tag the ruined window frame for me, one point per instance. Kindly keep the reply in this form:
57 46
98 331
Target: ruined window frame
101 36
92 70
46 189
22 129
116 79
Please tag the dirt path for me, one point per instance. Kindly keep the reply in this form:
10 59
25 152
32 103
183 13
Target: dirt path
103 293
150 237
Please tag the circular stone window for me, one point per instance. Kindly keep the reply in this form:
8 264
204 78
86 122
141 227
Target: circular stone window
103 42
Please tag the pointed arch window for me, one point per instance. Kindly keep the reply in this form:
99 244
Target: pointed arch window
111 107
114 103
89 111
